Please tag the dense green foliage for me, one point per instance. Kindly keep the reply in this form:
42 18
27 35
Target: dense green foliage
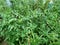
30 22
